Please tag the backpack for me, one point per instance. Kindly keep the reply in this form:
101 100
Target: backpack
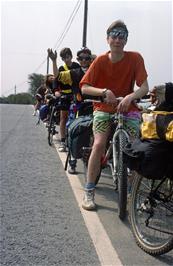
43 112
152 159
152 154
158 124
79 132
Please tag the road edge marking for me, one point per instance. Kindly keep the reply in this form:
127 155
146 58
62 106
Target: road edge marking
102 243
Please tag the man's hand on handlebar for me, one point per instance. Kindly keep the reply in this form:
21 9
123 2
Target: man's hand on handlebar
110 98
121 103
124 104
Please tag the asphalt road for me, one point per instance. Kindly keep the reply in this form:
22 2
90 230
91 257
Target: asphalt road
41 222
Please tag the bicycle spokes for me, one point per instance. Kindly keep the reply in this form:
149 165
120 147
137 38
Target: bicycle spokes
151 214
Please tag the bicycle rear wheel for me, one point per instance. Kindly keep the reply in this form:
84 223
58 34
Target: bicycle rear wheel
121 170
151 215
51 127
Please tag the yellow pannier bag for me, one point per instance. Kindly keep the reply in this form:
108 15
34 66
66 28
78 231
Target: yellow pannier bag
157 125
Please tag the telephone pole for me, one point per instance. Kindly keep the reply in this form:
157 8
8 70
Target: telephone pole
15 90
85 23
47 72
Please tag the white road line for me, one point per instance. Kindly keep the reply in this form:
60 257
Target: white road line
105 251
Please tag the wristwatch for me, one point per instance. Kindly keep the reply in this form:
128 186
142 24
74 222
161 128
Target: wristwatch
104 93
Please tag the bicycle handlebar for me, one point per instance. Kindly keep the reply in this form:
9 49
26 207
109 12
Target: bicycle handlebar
99 99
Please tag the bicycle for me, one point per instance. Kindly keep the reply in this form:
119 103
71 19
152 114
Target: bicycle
78 113
113 158
151 214
38 113
54 117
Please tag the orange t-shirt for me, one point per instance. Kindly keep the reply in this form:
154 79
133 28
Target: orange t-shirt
118 77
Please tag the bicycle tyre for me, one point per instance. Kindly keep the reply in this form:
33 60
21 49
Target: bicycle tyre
122 176
149 239
51 127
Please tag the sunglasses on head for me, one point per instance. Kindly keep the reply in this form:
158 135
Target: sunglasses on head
86 58
121 34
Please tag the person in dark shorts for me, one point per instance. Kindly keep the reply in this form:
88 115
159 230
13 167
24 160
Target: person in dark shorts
67 93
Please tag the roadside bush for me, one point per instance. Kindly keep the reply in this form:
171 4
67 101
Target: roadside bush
20 98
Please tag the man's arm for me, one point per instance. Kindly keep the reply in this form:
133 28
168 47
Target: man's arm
142 91
138 94
93 91
107 94
63 76
53 56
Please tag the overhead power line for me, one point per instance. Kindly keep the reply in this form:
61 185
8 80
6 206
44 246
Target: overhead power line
68 24
63 34
61 38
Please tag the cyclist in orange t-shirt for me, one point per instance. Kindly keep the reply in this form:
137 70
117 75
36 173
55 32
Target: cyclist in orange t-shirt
112 75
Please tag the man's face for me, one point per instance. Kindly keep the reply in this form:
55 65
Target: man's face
84 59
67 59
51 78
117 39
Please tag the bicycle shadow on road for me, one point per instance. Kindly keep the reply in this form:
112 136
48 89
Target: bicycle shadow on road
107 200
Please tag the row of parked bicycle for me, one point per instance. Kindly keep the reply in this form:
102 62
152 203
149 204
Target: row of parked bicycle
149 159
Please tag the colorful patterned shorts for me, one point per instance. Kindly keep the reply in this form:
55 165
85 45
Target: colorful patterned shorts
102 121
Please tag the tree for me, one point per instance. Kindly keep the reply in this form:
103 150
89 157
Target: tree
19 98
35 81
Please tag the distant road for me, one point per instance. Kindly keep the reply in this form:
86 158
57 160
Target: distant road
42 222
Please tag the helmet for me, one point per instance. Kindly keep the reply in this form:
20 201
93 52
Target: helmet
43 112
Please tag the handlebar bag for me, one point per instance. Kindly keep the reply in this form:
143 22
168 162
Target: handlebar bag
152 159
157 125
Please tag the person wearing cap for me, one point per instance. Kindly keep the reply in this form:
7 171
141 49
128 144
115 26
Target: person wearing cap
72 77
111 75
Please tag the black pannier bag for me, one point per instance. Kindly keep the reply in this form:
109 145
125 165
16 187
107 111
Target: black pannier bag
79 132
150 158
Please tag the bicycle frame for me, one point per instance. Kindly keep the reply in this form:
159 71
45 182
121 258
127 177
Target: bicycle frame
119 131
52 120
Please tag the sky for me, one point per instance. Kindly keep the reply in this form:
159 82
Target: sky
28 28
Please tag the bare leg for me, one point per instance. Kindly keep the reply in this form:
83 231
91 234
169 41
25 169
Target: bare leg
98 150
63 120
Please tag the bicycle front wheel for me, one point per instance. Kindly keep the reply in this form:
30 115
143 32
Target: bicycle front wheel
151 214
121 171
